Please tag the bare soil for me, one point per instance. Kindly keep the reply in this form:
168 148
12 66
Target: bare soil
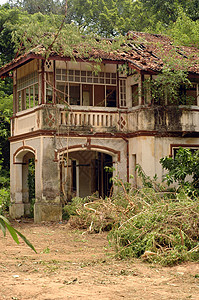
72 264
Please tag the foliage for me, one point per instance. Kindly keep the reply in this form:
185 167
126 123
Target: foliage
107 18
43 6
169 86
7 16
184 164
113 17
31 185
91 213
150 223
168 11
4 200
5 113
164 231
185 31
5 224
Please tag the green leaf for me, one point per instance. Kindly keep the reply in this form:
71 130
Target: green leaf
2 227
4 219
26 240
12 232
5 223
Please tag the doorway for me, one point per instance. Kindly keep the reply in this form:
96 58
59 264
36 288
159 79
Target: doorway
85 173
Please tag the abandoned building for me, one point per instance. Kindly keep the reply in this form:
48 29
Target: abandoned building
71 122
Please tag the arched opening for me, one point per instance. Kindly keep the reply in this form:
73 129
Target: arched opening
25 181
84 173
31 185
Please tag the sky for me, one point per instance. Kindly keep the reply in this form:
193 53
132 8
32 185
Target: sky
2 1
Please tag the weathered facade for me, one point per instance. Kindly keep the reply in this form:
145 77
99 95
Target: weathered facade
73 123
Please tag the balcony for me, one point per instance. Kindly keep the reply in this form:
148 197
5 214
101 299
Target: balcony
92 120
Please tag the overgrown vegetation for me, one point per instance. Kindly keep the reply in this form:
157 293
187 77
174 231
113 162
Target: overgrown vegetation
152 223
183 169
162 230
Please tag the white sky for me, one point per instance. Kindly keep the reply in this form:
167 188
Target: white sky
2 1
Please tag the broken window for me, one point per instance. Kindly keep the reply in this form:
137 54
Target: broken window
187 95
99 95
111 96
134 95
191 94
74 94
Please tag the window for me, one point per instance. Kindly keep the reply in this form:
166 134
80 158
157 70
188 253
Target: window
122 86
85 76
74 94
191 94
86 88
188 95
111 96
175 148
99 95
62 92
134 95
87 95
27 91
49 87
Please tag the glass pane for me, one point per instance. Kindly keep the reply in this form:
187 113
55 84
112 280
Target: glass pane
74 92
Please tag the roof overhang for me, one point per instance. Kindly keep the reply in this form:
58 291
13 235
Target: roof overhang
24 59
16 63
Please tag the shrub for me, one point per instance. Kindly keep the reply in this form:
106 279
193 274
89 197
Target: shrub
165 231
4 200
149 223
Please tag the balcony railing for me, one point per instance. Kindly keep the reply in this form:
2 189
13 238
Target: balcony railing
94 119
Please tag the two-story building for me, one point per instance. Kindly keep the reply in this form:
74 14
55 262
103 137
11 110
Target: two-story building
73 122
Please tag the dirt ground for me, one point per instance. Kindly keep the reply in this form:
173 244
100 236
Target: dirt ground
72 264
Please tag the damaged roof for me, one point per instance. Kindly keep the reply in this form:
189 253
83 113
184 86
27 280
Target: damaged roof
142 51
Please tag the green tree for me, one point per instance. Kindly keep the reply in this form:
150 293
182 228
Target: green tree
168 11
108 17
185 31
42 6
185 162
5 114
7 16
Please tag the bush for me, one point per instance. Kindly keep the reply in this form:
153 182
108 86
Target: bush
4 200
93 214
149 223
165 231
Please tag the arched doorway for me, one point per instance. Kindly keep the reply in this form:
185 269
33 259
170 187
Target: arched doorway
23 182
86 172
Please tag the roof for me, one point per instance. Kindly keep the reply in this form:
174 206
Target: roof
142 51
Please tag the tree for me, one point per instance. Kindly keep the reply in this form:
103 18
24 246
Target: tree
108 18
168 11
185 31
42 6
5 114
184 164
7 17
